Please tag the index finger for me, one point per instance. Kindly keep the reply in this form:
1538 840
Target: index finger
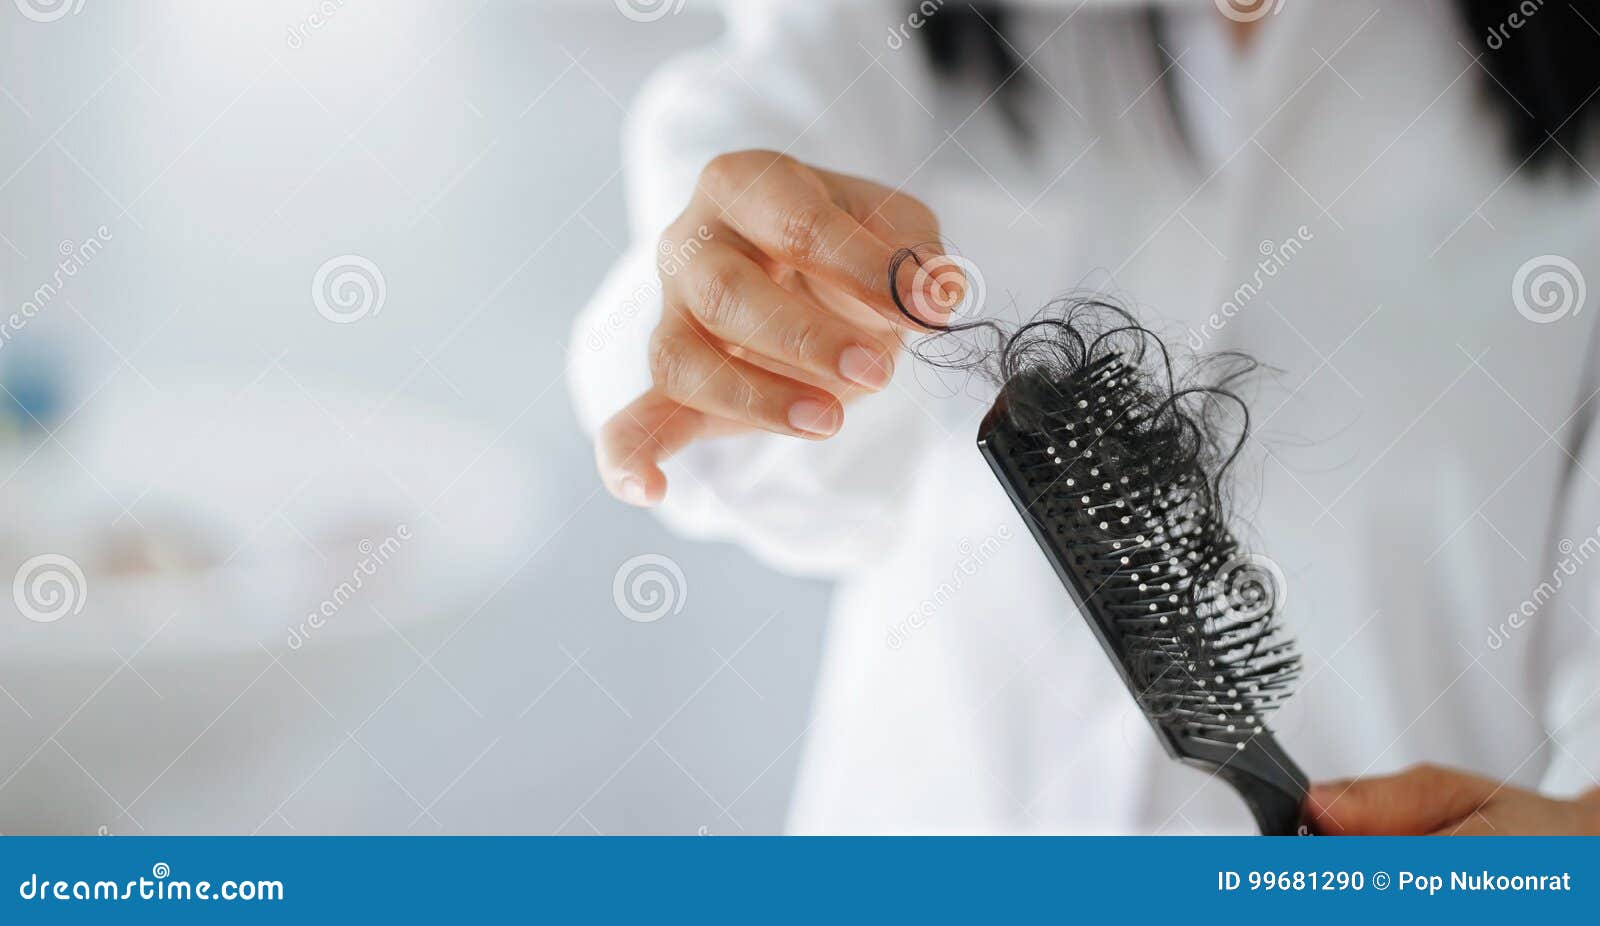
793 216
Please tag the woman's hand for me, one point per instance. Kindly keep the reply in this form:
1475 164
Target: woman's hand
776 311
1434 801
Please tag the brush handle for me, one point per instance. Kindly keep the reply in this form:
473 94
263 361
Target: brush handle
1270 784
1277 812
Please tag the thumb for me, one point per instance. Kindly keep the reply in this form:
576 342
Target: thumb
1416 801
632 445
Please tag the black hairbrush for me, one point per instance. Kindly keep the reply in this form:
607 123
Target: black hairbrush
1118 476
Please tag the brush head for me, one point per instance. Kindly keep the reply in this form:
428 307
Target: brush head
1119 479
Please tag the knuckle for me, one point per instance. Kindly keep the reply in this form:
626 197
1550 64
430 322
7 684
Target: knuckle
1426 771
803 233
680 246
719 172
731 170
672 364
665 248
753 405
716 298
803 342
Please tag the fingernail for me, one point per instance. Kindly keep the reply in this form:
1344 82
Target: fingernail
941 308
864 367
631 488
813 417
954 292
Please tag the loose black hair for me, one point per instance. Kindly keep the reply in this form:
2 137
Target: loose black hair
1540 66
1183 423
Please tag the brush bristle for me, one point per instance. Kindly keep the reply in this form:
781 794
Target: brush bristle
1114 474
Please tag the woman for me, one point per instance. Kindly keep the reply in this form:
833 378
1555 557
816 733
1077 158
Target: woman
1360 194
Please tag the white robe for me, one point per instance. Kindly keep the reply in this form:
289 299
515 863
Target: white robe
1423 470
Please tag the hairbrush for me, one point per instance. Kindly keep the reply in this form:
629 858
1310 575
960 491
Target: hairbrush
1118 474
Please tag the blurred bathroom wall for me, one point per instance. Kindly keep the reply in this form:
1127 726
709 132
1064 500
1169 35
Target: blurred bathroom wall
300 533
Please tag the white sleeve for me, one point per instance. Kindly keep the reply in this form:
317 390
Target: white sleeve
816 81
1567 653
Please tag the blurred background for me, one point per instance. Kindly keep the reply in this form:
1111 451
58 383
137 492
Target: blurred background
301 535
